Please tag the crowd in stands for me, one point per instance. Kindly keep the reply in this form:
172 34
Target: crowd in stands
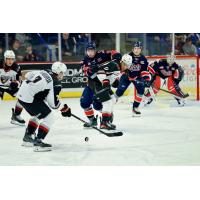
36 47
187 44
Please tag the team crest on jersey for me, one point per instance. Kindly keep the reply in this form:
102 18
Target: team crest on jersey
166 73
135 68
4 79
142 62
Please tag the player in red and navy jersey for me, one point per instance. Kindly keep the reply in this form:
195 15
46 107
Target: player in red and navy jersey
137 74
169 70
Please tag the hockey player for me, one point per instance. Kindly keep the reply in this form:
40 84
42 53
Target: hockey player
38 94
10 78
171 72
89 66
107 77
137 74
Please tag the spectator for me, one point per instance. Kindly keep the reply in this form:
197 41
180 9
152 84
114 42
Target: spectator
189 48
18 50
179 42
195 38
68 44
22 38
82 39
30 54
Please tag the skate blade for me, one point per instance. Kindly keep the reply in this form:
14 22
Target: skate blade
89 127
16 123
42 149
136 115
27 144
108 129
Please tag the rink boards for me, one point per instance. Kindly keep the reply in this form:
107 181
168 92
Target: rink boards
73 85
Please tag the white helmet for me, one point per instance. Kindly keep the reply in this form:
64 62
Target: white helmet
58 67
171 58
127 60
9 54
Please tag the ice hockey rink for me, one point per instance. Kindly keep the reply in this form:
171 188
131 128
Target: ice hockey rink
165 134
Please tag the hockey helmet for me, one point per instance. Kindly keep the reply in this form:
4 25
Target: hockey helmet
127 60
9 54
58 67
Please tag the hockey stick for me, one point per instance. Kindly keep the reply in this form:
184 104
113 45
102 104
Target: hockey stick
105 63
99 67
152 93
113 134
4 86
179 97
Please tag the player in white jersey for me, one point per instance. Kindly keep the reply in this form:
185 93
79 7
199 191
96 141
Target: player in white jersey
38 94
108 76
10 78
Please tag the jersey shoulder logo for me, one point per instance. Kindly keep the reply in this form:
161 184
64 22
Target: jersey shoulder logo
142 62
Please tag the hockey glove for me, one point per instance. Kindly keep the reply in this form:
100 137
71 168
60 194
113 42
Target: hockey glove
147 83
115 83
14 85
66 111
106 84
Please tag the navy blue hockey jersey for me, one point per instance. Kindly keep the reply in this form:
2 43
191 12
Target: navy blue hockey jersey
139 68
162 69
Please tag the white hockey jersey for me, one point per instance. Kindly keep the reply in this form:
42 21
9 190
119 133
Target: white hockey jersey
6 77
111 74
36 83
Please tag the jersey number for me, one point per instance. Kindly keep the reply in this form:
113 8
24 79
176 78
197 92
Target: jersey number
37 79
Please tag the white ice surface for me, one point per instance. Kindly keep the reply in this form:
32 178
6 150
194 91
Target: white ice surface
164 135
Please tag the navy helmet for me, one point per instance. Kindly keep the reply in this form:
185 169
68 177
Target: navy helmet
137 44
90 45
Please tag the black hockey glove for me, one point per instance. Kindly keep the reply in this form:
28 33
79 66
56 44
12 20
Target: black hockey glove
14 85
66 111
115 83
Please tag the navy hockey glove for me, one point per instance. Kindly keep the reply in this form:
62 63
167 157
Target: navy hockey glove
147 83
143 82
66 111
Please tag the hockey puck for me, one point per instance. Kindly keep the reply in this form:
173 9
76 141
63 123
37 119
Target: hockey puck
86 139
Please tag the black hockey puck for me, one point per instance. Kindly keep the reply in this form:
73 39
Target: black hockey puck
86 139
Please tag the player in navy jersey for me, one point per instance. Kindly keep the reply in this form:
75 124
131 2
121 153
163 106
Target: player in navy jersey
172 73
89 65
137 74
